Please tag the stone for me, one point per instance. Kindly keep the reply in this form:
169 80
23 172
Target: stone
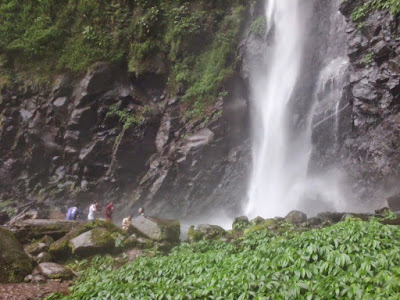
37 248
296 217
240 221
157 229
144 243
333 217
15 264
131 241
394 202
4 218
53 271
211 231
33 229
43 257
98 240
61 248
257 220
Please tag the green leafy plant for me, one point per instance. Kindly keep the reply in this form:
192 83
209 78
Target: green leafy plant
350 260
368 7
259 26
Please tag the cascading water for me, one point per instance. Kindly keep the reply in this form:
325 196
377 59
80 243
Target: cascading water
270 181
280 179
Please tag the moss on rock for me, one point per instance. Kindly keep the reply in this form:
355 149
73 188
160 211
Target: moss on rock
14 263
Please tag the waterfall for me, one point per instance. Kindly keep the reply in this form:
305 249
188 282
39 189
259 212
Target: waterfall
270 182
280 179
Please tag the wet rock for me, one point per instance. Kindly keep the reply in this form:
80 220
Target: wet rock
363 217
43 257
98 240
207 231
30 229
35 278
144 243
257 220
296 217
37 248
333 217
394 202
14 262
4 218
240 221
53 271
157 229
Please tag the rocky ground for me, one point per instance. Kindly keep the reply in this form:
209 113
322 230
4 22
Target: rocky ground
32 291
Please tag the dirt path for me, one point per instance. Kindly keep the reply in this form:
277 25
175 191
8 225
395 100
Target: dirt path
31 291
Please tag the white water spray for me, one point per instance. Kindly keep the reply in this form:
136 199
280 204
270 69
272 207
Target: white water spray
272 189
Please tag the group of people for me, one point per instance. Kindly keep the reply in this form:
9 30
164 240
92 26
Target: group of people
74 213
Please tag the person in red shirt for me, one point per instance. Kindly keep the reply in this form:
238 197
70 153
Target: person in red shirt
109 211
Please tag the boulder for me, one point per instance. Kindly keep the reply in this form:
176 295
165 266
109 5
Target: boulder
14 262
98 240
53 271
61 249
296 217
37 248
394 202
333 217
205 231
240 222
34 229
257 220
36 278
4 218
43 257
157 229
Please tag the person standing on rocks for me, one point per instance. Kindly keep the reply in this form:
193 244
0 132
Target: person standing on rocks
141 211
109 211
93 211
73 213
126 223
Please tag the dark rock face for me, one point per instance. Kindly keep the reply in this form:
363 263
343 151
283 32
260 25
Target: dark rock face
60 145
371 151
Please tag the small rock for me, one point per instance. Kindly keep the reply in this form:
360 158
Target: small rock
37 248
53 271
43 257
157 229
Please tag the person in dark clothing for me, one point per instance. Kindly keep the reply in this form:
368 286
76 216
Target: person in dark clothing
109 211
141 211
73 213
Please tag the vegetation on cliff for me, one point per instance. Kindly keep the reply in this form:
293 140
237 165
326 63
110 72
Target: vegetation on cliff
367 7
352 260
193 44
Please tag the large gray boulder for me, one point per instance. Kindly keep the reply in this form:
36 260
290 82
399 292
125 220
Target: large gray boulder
53 271
98 240
157 229
14 262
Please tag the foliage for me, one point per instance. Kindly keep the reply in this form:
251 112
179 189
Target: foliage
350 260
368 59
191 43
367 7
259 26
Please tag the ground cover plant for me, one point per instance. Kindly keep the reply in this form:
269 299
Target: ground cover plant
349 260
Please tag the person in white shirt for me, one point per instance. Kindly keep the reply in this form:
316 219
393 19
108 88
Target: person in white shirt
93 211
126 223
